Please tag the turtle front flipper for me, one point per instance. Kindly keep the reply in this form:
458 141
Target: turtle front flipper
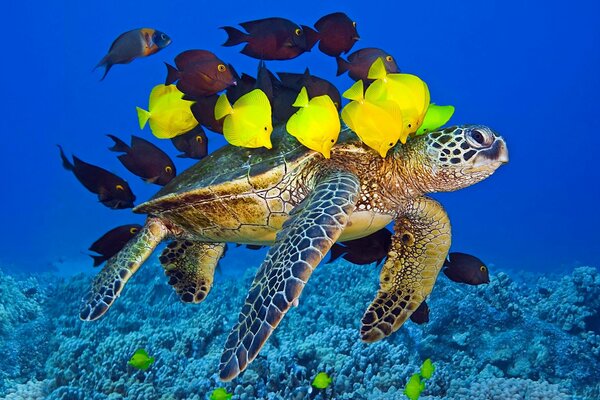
313 227
107 285
190 267
420 244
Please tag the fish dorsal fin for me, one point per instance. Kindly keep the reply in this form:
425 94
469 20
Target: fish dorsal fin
302 99
377 69
356 91
140 352
223 107
254 98
323 101
157 92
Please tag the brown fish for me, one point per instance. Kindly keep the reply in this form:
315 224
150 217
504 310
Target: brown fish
421 314
112 242
269 39
360 61
363 251
133 44
112 191
465 268
265 81
314 85
145 160
335 32
193 144
281 106
199 73
204 112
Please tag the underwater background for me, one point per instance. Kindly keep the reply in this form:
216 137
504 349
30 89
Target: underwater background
526 68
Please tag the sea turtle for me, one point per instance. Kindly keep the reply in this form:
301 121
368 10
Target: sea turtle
294 199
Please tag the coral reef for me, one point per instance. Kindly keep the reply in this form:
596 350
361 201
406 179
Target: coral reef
532 338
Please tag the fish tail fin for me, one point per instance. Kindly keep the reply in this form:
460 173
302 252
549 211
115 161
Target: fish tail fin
337 251
356 91
223 107
143 116
377 69
302 99
68 165
119 146
234 36
97 260
172 74
312 36
342 66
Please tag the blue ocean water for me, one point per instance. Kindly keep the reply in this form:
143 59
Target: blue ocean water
526 68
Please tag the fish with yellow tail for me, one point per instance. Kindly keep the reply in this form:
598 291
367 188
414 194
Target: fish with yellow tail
435 117
316 124
378 124
248 122
168 114
408 91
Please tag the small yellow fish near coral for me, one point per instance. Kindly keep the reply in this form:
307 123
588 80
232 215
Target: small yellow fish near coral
408 91
427 369
141 360
378 124
168 113
321 381
414 387
220 394
435 117
316 124
248 122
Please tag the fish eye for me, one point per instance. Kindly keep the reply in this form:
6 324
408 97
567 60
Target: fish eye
298 31
410 125
266 129
198 139
168 169
482 268
332 140
391 144
163 36
354 24
221 68
389 58
133 231
120 187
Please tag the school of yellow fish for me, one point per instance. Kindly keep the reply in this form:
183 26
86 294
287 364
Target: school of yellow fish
394 107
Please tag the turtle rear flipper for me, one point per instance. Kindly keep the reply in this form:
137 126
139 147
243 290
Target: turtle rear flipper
313 227
190 267
420 244
109 283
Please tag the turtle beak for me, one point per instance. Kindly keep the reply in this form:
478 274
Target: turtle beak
503 151
496 154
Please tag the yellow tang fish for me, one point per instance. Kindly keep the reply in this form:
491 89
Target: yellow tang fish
316 124
248 122
378 124
168 113
141 360
435 117
408 91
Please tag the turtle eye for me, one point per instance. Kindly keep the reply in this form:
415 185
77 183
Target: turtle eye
389 58
198 139
479 139
119 187
168 169
221 68
298 31
483 268
133 231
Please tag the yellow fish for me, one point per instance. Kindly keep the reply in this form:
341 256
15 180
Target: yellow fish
408 91
248 122
321 381
168 113
435 117
316 124
140 360
378 124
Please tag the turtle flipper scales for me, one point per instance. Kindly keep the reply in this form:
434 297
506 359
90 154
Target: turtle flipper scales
190 267
109 283
313 227
420 244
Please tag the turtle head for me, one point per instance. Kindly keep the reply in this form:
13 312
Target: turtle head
461 156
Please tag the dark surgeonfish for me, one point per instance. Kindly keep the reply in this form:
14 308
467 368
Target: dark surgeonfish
421 314
251 246
112 242
269 39
145 160
360 61
335 32
314 85
204 112
199 73
133 44
465 268
363 251
112 191
265 80
193 144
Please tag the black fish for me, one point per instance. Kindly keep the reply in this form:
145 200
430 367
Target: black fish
265 81
112 242
245 84
199 73
336 34
204 112
193 144
421 314
112 191
145 160
465 268
360 61
314 85
133 44
366 250
269 39
251 246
